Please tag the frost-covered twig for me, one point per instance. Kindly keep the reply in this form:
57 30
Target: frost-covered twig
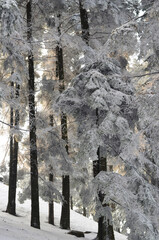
143 75
17 128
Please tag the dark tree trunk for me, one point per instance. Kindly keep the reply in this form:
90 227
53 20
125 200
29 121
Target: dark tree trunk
51 204
84 22
51 179
11 207
85 37
16 145
84 212
71 203
35 221
65 212
105 229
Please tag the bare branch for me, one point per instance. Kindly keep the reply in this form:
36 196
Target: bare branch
143 75
7 124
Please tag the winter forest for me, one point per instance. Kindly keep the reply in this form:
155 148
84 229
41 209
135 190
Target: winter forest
79 112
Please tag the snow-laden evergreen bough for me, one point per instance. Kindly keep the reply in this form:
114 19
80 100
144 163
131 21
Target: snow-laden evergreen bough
12 29
101 86
13 48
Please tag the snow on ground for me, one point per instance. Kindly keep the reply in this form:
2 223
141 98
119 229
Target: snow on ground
18 228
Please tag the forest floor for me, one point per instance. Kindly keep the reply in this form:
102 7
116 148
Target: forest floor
18 228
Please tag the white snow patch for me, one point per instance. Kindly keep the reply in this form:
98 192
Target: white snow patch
18 228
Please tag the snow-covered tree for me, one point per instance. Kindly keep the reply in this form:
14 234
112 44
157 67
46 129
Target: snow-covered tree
100 86
13 62
99 101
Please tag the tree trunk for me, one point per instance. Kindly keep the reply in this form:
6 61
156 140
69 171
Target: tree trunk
51 204
11 207
84 212
35 221
71 203
65 212
105 228
51 179
84 22
85 37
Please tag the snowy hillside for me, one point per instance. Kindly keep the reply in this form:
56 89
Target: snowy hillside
18 228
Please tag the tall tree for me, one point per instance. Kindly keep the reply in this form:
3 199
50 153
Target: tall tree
100 86
105 230
11 191
51 177
35 221
65 213
11 207
12 32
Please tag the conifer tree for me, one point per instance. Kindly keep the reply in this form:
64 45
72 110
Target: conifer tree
95 88
105 230
35 221
65 213
11 30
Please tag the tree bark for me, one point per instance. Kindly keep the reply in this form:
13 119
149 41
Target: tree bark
51 179
65 212
71 203
84 22
84 212
35 221
11 207
51 204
